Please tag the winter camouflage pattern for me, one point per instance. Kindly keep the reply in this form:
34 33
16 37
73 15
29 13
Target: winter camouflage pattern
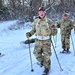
41 28
42 50
65 39
65 28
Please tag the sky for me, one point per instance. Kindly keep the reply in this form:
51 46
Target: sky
16 59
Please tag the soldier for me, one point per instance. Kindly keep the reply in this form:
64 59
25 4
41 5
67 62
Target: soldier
44 28
65 26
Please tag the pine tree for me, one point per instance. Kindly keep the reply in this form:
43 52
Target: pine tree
1 5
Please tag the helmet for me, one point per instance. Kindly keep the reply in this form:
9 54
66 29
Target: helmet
41 8
65 14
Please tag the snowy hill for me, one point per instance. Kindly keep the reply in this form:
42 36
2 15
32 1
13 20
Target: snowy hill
17 59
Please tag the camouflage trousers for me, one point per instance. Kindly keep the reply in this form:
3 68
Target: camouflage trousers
42 52
65 39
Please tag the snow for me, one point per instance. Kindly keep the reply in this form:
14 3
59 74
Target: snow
17 59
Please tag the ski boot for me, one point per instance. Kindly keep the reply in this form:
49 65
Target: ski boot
41 64
46 71
68 50
63 51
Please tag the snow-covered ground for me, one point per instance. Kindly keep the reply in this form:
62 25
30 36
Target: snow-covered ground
17 59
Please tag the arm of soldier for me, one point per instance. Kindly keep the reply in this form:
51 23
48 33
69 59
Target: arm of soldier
29 34
52 28
70 27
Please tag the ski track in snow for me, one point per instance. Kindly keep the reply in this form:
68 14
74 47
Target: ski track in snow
17 59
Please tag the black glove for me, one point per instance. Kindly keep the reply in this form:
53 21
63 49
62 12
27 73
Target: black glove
28 35
68 28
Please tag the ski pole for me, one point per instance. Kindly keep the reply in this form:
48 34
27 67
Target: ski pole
56 41
30 57
56 55
73 45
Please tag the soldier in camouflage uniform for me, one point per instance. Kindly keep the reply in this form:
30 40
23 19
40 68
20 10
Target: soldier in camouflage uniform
44 28
65 26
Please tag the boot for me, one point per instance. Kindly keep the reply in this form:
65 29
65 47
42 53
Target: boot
63 51
67 50
41 64
46 71
0 53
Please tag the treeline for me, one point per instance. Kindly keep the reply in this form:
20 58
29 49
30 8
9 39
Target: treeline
26 9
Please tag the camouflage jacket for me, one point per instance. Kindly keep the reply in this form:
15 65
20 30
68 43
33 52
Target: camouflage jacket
43 28
65 26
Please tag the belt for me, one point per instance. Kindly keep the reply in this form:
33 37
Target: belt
43 37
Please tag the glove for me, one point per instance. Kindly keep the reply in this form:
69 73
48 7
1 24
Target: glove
58 25
68 28
28 35
54 32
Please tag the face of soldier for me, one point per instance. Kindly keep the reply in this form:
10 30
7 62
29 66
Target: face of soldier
65 17
41 14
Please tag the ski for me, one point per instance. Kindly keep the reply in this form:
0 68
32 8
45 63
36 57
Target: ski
40 64
66 52
28 41
45 73
22 43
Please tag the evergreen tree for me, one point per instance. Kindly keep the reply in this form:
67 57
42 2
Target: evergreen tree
1 5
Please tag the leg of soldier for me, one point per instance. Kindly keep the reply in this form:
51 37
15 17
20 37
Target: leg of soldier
63 41
67 42
38 51
47 53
